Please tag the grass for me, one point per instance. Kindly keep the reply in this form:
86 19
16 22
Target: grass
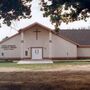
43 66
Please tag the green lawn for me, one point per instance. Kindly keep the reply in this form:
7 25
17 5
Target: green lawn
43 66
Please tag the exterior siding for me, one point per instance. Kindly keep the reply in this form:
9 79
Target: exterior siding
15 53
59 48
30 41
84 52
63 48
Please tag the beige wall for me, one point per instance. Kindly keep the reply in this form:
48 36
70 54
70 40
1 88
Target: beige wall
30 41
63 48
60 47
15 53
83 52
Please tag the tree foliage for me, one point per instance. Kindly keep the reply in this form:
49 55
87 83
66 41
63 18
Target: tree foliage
58 10
65 10
14 10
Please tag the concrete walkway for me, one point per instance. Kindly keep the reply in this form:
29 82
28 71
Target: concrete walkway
35 62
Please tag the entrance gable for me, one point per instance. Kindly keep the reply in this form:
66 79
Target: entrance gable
36 37
36 34
34 25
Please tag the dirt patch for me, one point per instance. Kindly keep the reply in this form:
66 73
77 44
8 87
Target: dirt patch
45 80
68 77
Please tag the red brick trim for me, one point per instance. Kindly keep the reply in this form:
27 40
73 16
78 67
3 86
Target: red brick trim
25 58
86 57
84 46
15 58
60 58
47 58
8 58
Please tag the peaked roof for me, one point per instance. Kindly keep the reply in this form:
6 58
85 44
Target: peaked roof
35 24
46 28
77 37
82 37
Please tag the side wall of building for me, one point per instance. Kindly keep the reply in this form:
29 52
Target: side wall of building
62 48
10 49
83 52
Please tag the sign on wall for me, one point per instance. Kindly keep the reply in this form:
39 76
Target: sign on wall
8 47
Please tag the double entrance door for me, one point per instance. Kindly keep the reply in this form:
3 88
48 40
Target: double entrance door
37 53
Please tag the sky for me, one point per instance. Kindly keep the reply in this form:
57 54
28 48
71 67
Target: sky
38 17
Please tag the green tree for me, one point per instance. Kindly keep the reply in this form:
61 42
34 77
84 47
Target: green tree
14 10
65 10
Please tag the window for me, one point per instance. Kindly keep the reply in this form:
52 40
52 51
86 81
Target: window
2 54
26 53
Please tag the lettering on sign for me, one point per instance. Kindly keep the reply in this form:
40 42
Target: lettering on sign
8 47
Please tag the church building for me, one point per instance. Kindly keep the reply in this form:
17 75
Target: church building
38 42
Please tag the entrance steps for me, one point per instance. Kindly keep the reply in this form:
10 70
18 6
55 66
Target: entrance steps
35 62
